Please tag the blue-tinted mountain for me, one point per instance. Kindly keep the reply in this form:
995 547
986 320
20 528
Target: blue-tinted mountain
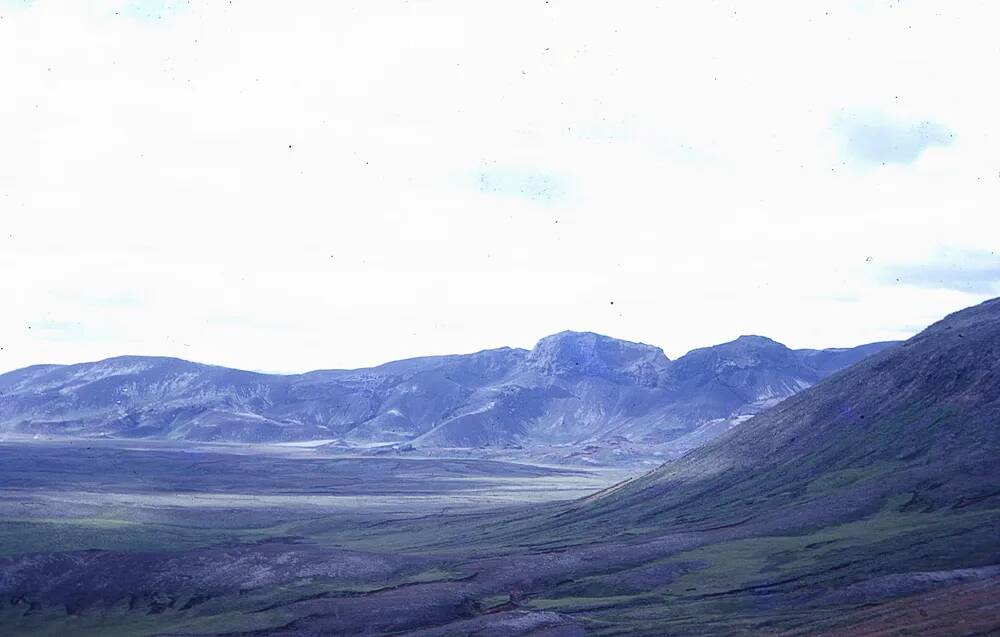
571 388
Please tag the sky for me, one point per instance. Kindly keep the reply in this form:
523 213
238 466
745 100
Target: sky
304 185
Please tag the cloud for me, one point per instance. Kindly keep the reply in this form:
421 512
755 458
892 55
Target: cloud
117 301
70 331
521 183
974 272
153 10
871 137
151 156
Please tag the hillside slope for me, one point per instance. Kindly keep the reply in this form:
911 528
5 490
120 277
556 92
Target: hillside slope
921 419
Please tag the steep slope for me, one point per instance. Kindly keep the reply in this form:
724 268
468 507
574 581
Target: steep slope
572 388
921 420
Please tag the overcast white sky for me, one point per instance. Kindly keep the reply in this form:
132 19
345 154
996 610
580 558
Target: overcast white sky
298 185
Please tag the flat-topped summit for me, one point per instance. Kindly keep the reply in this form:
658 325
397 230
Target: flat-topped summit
587 353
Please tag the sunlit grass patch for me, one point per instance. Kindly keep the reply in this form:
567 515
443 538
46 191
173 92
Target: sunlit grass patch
76 534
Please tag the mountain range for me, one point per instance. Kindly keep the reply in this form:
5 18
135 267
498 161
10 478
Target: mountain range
867 504
572 388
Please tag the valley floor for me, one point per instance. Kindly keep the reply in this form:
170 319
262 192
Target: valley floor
135 538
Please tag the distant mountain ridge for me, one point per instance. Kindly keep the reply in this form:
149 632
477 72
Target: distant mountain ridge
571 388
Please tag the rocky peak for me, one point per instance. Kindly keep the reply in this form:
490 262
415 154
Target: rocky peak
587 353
